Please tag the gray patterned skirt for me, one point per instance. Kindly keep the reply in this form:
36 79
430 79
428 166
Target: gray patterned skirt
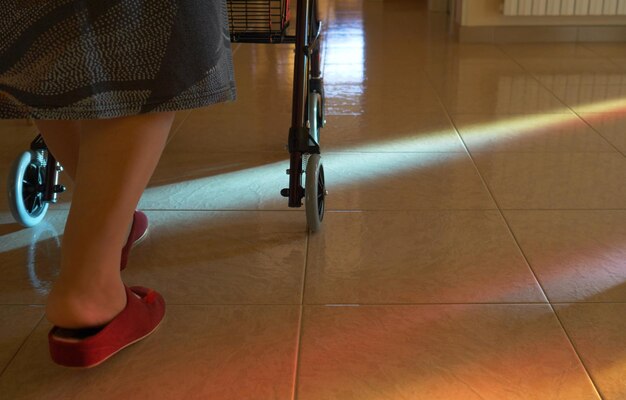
88 59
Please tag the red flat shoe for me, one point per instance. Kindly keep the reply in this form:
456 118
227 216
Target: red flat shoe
138 232
87 348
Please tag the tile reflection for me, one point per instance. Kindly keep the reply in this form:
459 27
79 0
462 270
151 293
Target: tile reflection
344 65
590 98
45 241
29 259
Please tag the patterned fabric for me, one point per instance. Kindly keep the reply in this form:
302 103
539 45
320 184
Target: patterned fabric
86 59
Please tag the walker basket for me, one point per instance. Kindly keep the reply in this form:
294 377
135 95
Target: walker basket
258 21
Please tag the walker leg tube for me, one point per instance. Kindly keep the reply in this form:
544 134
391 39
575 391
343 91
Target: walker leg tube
300 70
300 85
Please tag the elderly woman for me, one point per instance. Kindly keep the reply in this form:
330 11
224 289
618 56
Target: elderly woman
101 80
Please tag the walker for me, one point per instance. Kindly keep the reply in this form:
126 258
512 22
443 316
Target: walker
34 177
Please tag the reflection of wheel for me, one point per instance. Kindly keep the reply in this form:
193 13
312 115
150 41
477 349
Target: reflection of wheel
25 188
45 243
315 192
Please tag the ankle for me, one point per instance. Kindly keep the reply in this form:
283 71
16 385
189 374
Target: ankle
71 307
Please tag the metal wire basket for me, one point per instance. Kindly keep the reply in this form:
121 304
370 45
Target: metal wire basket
258 21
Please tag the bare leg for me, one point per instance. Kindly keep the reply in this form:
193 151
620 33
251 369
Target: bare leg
63 140
116 160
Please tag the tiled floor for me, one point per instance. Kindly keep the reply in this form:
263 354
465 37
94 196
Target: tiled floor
474 245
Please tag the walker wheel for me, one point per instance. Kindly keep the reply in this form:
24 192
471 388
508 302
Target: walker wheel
25 188
315 192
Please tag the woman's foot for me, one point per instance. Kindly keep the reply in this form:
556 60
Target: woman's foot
74 305
85 348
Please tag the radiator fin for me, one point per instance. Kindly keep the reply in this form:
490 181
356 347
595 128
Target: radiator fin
564 7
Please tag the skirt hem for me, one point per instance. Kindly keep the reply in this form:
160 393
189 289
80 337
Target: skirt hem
80 113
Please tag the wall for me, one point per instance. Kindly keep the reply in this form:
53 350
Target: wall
481 21
487 13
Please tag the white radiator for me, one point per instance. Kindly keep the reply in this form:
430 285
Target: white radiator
564 7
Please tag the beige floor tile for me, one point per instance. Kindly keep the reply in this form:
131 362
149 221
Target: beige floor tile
559 82
372 132
249 74
569 65
607 49
17 323
349 74
621 61
403 181
193 258
522 51
503 94
349 7
16 137
258 93
29 258
611 126
381 64
393 100
13 123
529 133
246 181
489 352
256 98
180 117
199 352
453 53
222 257
218 181
228 131
393 74
576 255
598 332
263 55
593 98
555 180
417 257
467 71
344 99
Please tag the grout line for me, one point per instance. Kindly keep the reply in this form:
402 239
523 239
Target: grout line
543 291
294 388
214 210
596 387
503 303
173 133
297 360
22 344
294 393
378 210
594 384
599 133
585 45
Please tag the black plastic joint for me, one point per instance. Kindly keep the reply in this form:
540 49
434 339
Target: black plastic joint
316 84
59 189
301 142
298 140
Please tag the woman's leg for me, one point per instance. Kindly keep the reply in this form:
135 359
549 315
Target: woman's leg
116 159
